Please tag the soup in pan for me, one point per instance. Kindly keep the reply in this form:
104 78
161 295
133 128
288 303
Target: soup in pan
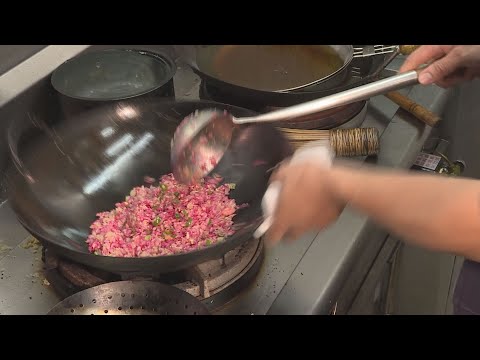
272 67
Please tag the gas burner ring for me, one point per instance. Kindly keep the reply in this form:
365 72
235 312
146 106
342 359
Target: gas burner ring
214 282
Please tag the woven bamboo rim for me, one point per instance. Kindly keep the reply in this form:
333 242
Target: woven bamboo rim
345 142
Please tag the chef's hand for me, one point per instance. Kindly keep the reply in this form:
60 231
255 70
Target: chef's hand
448 64
306 201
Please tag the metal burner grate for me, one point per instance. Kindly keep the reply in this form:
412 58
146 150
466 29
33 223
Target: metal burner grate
214 282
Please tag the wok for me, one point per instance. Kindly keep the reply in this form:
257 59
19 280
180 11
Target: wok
202 60
96 77
278 68
65 174
225 71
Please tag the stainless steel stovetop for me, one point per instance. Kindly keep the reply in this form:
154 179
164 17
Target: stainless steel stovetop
304 277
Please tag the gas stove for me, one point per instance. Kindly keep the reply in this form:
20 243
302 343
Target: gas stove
219 282
319 273
214 282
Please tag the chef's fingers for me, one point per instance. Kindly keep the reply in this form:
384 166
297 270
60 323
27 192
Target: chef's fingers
283 217
295 233
424 54
279 174
276 232
441 69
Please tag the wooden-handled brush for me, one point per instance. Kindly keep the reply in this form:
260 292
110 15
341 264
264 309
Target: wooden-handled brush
344 142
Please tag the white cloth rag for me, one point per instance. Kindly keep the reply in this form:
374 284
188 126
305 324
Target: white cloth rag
316 153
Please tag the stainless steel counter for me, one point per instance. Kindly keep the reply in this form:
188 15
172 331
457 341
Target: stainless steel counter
300 278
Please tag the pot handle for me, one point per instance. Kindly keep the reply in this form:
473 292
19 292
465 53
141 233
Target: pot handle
375 50
402 50
417 110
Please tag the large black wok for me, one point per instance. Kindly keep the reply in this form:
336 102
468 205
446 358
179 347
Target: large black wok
203 58
63 176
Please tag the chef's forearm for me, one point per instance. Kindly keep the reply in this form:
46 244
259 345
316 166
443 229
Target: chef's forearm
435 212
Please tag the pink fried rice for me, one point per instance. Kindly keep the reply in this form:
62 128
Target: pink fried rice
166 219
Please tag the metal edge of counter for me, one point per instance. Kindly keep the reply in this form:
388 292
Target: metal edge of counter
24 85
21 77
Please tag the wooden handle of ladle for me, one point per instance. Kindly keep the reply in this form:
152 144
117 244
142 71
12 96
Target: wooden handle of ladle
407 49
417 110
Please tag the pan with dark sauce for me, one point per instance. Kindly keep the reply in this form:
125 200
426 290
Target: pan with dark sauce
272 67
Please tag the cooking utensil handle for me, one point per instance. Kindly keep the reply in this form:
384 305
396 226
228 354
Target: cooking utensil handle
401 49
407 49
355 142
332 101
417 110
